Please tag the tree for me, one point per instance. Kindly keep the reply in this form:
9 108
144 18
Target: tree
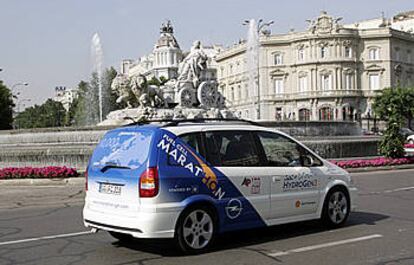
85 109
6 107
395 101
394 105
49 114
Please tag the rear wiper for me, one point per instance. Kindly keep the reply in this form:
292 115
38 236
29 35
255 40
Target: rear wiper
109 165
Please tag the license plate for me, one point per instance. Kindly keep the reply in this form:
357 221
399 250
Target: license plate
110 188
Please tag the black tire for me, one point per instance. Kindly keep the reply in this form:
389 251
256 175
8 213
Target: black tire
336 207
202 232
124 238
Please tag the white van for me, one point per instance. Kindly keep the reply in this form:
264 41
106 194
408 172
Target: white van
191 180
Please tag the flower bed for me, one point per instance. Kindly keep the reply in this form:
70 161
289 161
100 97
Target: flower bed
376 162
409 146
31 172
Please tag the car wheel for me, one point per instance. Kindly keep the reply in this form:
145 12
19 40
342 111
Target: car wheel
124 238
196 230
336 208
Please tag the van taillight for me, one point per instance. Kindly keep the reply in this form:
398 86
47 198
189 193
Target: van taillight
149 183
86 179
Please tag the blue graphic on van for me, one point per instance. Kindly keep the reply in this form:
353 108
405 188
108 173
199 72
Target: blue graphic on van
181 167
123 148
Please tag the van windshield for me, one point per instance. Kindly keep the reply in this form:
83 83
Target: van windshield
127 149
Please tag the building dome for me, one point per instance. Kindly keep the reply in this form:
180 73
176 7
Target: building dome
167 38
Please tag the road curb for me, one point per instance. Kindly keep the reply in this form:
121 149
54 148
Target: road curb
370 169
43 182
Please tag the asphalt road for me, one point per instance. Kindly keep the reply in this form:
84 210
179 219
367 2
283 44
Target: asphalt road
43 225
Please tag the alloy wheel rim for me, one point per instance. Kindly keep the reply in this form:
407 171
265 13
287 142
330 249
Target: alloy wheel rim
198 229
337 207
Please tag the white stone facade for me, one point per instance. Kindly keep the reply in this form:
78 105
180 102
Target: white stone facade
65 96
329 72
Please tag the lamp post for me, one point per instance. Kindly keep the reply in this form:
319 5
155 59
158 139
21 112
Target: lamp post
13 88
16 86
260 30
19 103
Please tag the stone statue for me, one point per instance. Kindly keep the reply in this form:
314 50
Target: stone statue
192 65
191 95
146 95
120 86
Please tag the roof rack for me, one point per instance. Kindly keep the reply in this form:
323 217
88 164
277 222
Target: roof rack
204 120
171 122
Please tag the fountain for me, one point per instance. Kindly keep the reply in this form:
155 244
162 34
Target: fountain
97 57
252 52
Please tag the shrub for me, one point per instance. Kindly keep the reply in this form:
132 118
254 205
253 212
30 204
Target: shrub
31 172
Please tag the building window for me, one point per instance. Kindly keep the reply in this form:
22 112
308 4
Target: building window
397 54
304 115
231 69
303 83
232 94
348 113
239 93
408 56
374 54
278 114
278 59
279 86
301 55
349 81
326 82
324 52
348 52
325 114
374 81
247 91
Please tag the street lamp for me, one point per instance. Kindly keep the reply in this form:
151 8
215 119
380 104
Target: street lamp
260 30
16 86
19 103
19 84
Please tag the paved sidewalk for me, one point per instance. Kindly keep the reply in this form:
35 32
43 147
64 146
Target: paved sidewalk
41 193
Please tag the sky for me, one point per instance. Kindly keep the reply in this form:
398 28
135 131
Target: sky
47 43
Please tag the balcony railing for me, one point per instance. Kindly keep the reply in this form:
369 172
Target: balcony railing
314 94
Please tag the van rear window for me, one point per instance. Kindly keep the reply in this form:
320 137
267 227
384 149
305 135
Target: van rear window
123 148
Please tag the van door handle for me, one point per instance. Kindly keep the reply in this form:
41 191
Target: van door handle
276 179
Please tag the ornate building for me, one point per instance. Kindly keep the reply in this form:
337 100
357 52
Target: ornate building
328 72
165 58
65 96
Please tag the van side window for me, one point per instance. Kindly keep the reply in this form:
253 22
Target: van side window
231 148
283 152
193 140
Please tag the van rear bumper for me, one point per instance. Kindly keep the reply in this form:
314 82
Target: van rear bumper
141 225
